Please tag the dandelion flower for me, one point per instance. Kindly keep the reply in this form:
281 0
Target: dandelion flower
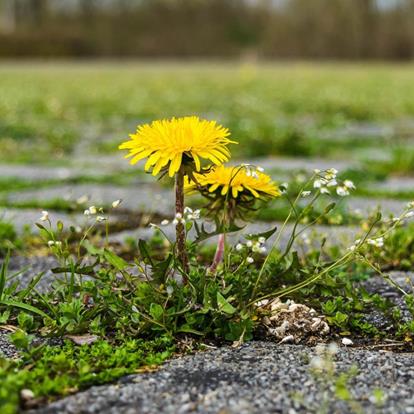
170 143
236 181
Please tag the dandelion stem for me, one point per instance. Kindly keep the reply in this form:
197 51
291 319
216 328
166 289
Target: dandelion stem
180 230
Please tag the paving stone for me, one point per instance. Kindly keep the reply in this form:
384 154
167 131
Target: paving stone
396 184
258 377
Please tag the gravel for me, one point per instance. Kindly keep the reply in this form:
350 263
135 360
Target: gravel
258 377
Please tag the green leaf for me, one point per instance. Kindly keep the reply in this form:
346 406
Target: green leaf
156 311
116 261
267 234
143 249
3 273
224 305
24 306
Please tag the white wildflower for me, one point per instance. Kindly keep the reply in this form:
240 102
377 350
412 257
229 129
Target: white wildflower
187 210
250 260
239 247
92 210
116 203
342 191
317 184
306 194
178 216
349 184
317 363
262 240
50 243
263 250
249 243
260 169
165 223
324 190
170 290
100 219
333 348
45 216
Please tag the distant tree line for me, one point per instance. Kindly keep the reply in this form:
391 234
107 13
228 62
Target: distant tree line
329 29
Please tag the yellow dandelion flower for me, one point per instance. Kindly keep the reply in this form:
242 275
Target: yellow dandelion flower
169 143
235 181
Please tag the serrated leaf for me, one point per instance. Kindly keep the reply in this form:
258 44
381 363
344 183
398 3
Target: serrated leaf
267 234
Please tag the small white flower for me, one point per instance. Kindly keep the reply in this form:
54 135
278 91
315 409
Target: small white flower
50 243
249 243
165 223
178 216
333 348
317 184
239 247
379 242
190 217
342 191
262 240
260 169
45 216
170 290
58 243
116 203
352 248
409 214
196 214
100 219
410 204
87 212
306 193
175 222
324 190
153 225
263 250
332 171
332 183
187 210
92 210
316 170
317 363
349 184
346 342
250 260
256 248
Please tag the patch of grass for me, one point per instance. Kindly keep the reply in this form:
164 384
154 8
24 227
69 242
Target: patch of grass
54 371
48 109
8 238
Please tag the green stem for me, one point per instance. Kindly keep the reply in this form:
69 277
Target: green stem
180 229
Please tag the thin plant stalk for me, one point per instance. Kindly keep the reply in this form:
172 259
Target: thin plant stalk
180 229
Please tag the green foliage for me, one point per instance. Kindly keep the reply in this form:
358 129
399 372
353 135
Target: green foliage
8 238
50 371
271 109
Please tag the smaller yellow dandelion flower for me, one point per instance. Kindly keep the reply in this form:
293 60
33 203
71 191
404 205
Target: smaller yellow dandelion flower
236 182
169 143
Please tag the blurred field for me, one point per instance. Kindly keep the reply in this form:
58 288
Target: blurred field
49 112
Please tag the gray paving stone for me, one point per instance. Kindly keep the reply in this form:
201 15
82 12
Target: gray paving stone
258 377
